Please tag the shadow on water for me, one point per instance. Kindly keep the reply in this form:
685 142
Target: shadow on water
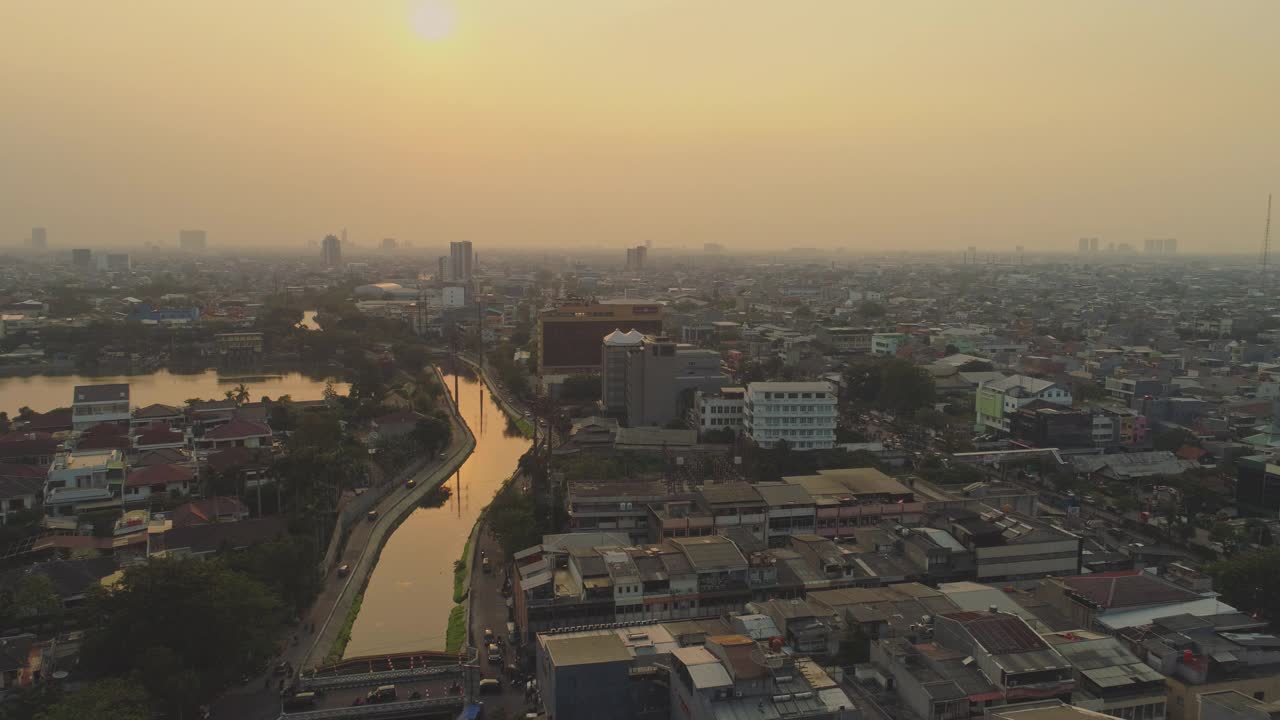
512 429
437 497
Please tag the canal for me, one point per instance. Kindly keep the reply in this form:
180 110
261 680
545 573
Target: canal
43 393
410 592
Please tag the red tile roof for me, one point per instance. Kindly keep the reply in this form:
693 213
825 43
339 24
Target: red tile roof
1127 588
1191 452
233 458
207 510
159 436
20 435
159 475
238 428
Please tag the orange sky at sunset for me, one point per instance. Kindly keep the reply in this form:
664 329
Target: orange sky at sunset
866 125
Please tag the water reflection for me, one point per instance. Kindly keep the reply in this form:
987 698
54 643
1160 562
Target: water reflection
406 604
46 392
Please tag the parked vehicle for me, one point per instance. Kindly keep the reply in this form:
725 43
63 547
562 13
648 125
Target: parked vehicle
489 686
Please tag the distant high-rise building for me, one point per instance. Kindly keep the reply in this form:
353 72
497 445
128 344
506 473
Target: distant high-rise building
192 240
1084 245
1155 246
81 258
461 261
389 243
115 262
39 238
442 270
331 251
648 243
1093 245
636 257
1171 246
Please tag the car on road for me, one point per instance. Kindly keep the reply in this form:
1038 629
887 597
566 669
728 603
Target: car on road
300 701
485 566
372 515
489 686
494 653
381 694
411 484
344 570
488 635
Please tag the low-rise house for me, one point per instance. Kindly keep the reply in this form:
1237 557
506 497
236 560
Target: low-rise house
166 481
20 489
237 432
158 437
84 479
157 414
395 425
27 447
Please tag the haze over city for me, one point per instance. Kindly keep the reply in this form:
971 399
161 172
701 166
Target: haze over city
579 123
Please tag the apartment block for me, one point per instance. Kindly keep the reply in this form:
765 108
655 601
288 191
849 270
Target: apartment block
801 414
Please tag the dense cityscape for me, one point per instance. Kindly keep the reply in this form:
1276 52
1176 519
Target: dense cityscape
373 480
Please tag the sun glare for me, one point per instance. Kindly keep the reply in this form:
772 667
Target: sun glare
433 19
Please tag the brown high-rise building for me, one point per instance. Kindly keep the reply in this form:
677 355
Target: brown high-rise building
569 334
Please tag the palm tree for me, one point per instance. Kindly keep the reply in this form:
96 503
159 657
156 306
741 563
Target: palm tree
241 394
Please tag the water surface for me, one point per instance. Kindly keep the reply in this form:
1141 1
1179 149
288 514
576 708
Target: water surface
407 602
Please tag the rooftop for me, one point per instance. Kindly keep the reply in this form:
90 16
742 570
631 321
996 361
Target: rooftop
586 649
101 393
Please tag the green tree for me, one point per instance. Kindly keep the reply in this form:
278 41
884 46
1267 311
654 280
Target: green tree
512 521
1251 582
904 386
32 596
210 623
580 388
112 698
433 433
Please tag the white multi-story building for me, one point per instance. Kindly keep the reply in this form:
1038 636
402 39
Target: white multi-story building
95 404
718 411
801 413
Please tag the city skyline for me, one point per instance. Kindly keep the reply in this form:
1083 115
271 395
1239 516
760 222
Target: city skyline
915 126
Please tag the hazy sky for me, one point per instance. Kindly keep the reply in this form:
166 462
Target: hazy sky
891 124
